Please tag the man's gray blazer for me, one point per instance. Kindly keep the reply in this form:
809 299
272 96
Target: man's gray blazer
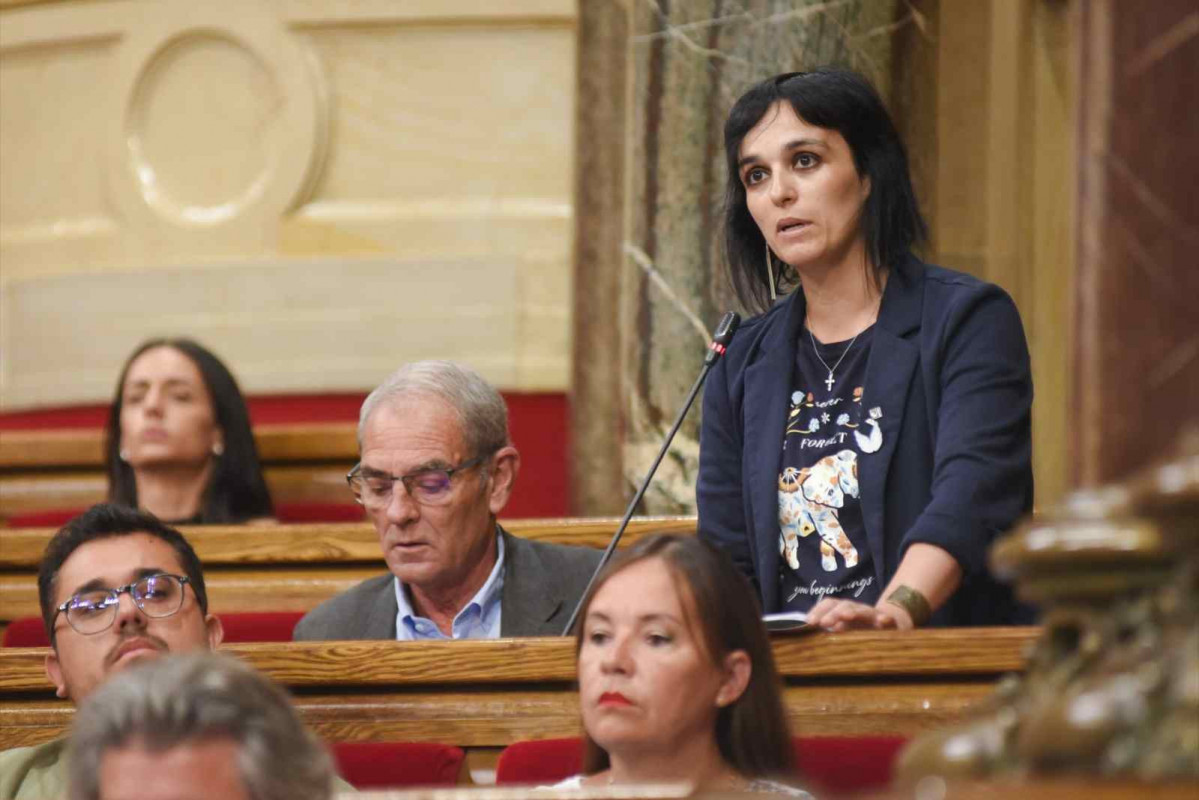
542 584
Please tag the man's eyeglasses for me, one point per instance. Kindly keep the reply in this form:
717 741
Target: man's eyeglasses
430 487
93 611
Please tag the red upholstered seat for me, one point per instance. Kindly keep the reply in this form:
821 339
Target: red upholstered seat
319 512
260 626
380 765
26 632
44 519
264 626
844 764
543 761
834 764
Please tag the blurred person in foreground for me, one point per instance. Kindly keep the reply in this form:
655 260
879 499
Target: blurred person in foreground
116 587
676 676
437 467
179 443
193 727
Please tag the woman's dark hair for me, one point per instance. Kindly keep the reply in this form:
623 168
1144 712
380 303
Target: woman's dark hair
843 101
236 491
104 521
722 607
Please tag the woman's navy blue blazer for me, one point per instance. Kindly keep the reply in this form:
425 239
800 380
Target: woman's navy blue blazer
949 371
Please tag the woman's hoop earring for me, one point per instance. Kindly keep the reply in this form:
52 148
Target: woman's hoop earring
770 274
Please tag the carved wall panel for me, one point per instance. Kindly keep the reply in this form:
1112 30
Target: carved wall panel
317 190
1138 360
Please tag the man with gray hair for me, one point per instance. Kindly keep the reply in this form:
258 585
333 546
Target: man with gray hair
195 726
436 469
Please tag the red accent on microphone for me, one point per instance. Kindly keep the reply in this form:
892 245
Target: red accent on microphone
717 348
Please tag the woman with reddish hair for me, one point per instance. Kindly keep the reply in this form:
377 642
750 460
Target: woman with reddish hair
676 677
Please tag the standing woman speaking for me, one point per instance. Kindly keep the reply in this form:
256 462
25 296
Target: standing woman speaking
866 438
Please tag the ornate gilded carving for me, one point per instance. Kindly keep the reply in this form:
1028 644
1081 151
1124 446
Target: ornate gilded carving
1112 685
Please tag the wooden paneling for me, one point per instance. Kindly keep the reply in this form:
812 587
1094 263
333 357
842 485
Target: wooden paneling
961 652
229 590
293 567
985 96
1137 363
52 470
342 542
599 485
62 449
491 717
31 492
490 693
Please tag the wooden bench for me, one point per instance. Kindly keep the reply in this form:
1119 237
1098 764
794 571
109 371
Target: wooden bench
291 567
487 694
47 470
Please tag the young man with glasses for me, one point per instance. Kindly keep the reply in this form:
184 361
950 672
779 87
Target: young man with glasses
436 469
116 587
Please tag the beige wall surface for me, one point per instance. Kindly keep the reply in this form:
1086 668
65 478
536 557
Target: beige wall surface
998 182
317 190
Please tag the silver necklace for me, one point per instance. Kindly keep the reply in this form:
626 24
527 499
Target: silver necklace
828 382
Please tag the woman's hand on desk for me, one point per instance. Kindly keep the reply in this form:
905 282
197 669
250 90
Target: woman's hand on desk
845 615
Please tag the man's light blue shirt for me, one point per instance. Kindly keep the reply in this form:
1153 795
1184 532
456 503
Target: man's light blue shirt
479 619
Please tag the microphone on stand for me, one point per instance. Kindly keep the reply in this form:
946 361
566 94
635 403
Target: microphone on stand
720 342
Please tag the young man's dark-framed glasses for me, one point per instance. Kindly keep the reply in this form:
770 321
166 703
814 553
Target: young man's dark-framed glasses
93 611
429 487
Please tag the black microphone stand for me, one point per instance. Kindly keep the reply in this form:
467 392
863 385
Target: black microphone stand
720 339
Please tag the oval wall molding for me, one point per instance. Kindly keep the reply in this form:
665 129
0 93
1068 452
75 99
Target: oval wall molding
215 127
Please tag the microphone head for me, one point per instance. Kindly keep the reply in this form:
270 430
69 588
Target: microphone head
722 336
726 328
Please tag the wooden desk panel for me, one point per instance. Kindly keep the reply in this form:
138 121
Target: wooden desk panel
84 448
31 492
497 717
340 542
963 653
292 567
229 590
48 470
491 693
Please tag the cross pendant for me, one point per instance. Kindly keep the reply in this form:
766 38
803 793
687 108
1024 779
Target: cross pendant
829 380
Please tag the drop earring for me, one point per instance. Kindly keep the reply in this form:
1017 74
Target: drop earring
770 274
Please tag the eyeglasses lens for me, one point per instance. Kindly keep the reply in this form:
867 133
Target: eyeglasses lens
374 491
155 595
428 488
159 595
91 612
